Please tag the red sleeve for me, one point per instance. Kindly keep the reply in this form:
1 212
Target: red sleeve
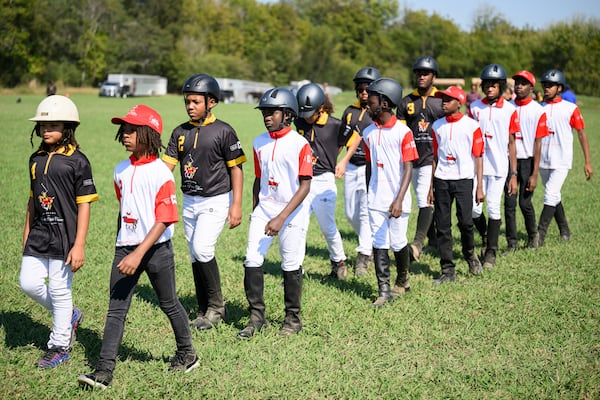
577 120
409 148
478 144
257 171
117 191
542 127
435 143
305 165
514 126
367 150
165 209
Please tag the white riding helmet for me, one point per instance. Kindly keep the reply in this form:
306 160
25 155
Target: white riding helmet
56 108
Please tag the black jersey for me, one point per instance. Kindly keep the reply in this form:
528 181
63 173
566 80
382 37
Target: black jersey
205 153
419 114
58 183
325 137
355 119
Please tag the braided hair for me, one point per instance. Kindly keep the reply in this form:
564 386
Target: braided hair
68 137
146 136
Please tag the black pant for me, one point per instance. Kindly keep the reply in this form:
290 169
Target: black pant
446 191
159 264
524 169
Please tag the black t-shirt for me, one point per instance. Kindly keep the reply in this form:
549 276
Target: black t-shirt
355 119
419 114
325 137
205 153
58 183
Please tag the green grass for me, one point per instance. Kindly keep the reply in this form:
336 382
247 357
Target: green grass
527 329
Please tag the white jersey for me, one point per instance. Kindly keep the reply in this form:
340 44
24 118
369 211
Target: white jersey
387 148
533 122
145 189
280 158
497 121
457 140
557 147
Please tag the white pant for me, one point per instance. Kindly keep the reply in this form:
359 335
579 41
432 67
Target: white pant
421 182
388 232
322 198
553 180
55 296
292 240
355 206
493 189
203 221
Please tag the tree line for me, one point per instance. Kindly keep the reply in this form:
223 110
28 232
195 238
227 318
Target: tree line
80 42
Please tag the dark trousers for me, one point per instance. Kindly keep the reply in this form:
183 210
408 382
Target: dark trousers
524 169
446 191
159 265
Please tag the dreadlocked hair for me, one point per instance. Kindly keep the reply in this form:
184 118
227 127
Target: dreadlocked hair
146 136
68 136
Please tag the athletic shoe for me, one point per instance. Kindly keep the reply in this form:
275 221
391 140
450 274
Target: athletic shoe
95 380
53 358
414 252
445 278
474 265
184 362
339 270
207 321
76 320
361 267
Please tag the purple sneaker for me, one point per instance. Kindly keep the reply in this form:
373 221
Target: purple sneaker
53 358
76 320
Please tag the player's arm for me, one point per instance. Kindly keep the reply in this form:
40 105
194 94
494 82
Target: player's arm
274 226
479 196
76 256
340 168
28 220
583 140
396 206
512 162
130 263
234 216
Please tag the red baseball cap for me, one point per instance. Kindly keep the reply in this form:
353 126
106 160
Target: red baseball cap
455 92
141 115
528 76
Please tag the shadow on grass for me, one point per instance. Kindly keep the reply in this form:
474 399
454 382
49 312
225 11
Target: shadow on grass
20 331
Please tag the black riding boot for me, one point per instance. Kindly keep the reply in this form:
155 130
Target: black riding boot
292 298
493 232
545 218
201 295
424 220
561 220
481 226
211 280
381 259
254 285
402 279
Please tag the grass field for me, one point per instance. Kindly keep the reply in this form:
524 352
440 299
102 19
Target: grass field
529 329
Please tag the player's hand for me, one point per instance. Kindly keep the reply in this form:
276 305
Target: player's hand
395 209
273 226
531 183
512 186
234 217
588 171
340 170
129 264
479 196
76 258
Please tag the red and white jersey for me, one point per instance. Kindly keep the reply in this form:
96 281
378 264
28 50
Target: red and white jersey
497 121
532 120
387 148
557 147
457 140
280 158
145 189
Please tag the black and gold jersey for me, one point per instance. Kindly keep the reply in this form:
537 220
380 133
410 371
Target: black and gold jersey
419 113
325 137
58 183
205 153
355 119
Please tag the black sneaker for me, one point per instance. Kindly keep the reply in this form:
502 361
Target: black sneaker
207 321
533 241
95 380
474 265
444 278
184 362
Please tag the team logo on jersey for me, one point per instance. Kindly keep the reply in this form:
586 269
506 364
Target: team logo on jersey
46 201
130 223
234 147
273 184
423 125
314 160
189 170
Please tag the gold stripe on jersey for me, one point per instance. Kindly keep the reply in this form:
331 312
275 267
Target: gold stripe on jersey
170 160
353 137
237 161
90 198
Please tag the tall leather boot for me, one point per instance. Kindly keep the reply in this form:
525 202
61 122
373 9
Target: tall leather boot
424 220
381 259
545 218
292 298
402 285
561 220
201 294
254 286
493 232
211 279
481 227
